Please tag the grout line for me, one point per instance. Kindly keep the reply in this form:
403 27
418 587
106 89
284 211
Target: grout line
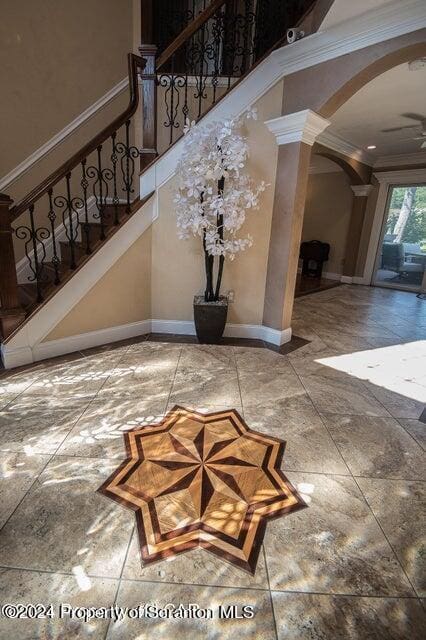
385 536
369 507
173 381
270 592
214 586
28 490
119 579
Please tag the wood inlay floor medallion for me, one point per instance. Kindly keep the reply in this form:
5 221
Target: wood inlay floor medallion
202 480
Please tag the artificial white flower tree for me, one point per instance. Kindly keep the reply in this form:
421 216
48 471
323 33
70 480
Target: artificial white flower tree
214 193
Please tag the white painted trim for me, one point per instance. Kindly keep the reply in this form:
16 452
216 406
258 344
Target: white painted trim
336 143
43 321
21 355
59 137
405 176
401 159
346 279
386 179
90 339
301 126
361 190
372 27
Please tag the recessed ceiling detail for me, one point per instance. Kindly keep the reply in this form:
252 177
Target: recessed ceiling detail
202 480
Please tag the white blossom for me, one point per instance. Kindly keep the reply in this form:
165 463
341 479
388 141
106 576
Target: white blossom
211 153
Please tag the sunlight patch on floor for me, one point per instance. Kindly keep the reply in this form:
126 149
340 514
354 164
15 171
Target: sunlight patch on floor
399 368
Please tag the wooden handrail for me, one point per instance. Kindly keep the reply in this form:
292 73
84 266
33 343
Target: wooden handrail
134 62
189 30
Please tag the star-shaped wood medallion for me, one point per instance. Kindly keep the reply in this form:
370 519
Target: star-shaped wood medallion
202 480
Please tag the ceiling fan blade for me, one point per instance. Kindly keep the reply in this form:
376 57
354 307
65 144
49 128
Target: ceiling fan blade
409 126
414 116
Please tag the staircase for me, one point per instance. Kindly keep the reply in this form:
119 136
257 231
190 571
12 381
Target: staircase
56 229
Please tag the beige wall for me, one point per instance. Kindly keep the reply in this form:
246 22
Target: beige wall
122 295
58 58
327 214
177 269
163 289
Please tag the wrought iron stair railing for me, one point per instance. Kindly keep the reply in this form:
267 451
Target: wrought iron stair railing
55 229
207 59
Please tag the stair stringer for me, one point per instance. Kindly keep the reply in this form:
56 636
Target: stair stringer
21 347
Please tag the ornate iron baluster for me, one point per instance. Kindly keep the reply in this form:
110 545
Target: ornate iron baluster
52 217
101 207
33 244
100 189
70 208
84 185
114 160
127 162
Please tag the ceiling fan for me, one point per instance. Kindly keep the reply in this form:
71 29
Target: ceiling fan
420 121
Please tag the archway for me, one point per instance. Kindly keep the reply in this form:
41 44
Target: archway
315 93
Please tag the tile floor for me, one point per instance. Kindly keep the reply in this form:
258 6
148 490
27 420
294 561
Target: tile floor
348 403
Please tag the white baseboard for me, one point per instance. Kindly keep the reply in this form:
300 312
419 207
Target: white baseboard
90 339
346 279
17 356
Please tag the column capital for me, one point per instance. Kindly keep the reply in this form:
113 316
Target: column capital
301 126
361 190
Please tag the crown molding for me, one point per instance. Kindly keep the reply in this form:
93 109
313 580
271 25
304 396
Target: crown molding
401 159
404 176
361 190
336 143
302 126
59 137
371 27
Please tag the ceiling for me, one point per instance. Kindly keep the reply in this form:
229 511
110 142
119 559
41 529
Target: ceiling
381 105
342 10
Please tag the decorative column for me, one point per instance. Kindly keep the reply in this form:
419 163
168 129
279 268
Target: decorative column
295 134
356 223
11 312
149 105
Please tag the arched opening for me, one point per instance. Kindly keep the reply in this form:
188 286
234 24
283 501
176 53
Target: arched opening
327 220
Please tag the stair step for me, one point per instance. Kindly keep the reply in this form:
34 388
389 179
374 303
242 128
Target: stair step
28 290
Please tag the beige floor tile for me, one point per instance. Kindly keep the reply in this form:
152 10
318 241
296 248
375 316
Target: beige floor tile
416 428
205 387
399 507
267 386
99 431
34 427
195 567
17 473
342 395
146 383
320 617
309 447
334 545
399 405
132 594
377 447
63 523
253 359
207 356
78 590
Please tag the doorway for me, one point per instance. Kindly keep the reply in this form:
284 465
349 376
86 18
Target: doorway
401 256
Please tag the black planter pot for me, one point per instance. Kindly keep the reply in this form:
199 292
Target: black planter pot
210 319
